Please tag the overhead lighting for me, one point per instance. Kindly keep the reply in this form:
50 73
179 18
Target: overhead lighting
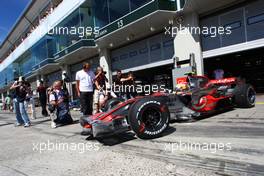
130 37
152 29
171 21
111 45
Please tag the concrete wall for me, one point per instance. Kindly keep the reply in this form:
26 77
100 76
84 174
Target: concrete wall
186 43
105 62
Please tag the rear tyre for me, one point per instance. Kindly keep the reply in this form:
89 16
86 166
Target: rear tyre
111 103
148 118
245 96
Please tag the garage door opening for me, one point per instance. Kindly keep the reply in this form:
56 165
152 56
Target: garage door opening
155 76
246 64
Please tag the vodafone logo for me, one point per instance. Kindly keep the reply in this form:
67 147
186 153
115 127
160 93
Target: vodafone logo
202 103
223 81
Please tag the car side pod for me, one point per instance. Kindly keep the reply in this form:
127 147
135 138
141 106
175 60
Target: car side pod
87 127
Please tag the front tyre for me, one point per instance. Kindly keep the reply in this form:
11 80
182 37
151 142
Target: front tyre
245 96
148 118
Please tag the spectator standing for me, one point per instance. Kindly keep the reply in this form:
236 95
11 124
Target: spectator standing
84 87
100 89
8 102
21 93
19 120
42 91
30 102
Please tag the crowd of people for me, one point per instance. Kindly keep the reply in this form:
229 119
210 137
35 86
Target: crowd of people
92 89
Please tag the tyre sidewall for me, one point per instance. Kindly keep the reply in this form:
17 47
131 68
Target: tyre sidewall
241 96
135 118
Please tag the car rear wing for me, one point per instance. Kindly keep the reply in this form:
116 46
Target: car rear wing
231 80
225 81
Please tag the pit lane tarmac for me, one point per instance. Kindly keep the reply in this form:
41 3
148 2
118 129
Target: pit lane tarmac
242 128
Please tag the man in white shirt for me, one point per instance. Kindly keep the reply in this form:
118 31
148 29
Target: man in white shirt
85 81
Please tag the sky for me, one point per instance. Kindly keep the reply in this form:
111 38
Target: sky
10 10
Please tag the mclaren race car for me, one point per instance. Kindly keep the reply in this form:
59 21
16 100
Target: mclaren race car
149 116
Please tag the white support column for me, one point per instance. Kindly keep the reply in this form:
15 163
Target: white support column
2 97
40 77
187 42
105 62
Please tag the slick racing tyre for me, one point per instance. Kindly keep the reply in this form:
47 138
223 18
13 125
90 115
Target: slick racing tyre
148 118
245 96
111 103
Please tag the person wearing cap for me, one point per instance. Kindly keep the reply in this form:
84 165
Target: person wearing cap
19 120
21 90
84 87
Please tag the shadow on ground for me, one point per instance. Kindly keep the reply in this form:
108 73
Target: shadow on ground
127 136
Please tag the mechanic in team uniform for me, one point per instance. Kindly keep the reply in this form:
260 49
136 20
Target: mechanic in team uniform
118 84
219 74
130 85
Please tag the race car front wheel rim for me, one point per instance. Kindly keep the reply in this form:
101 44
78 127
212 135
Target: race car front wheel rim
151 117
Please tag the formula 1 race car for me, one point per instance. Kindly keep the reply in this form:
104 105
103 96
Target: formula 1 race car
149 116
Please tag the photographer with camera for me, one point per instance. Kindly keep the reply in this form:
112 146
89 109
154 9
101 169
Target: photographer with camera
58 104
21 90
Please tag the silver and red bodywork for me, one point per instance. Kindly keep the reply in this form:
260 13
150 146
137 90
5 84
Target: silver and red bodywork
180 104
210 101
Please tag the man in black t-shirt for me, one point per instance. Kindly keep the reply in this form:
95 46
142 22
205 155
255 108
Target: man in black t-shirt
129 84
42 91
118 84
21 90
